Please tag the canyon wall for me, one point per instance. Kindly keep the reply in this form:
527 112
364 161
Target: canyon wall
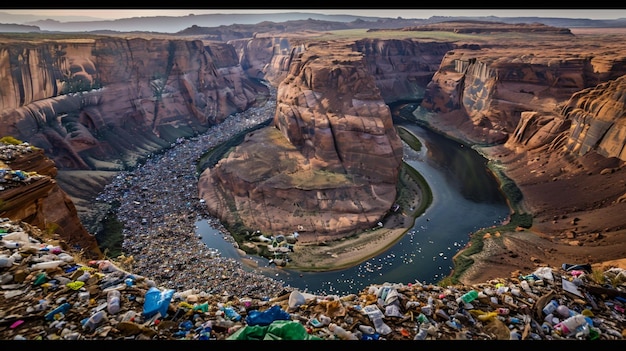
479 93
598 118
401 67
315 172
98 106
104 103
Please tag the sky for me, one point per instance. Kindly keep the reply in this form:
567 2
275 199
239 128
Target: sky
110 14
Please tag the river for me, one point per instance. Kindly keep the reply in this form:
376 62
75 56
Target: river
466 198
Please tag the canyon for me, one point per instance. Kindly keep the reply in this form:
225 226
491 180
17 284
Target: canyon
545 106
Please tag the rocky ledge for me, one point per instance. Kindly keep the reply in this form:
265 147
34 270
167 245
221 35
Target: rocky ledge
314 174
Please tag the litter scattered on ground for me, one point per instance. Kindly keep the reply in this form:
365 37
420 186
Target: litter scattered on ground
47 293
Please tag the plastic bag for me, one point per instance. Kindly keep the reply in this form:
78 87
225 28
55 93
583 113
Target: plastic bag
157 301
277 330
256 317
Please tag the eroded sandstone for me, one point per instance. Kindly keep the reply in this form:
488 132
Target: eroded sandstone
30 193
330 162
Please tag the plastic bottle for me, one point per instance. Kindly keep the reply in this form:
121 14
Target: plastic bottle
550 307
231 314
205 331
129 316
525 286
6 261
341 333
468 297
92 322
84 277
62 309
10 244
325 320
421 334
376 316
47 264
366 329
113 301
83 296
564 312
569 325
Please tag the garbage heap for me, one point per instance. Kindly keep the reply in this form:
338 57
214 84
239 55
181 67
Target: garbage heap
48 293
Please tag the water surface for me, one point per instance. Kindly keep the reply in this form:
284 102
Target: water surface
466 198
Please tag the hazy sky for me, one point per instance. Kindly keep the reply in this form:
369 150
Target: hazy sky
379 12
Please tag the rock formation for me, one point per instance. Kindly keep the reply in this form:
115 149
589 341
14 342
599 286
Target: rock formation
598 117
402 68
29 193
329 164
105 103
480 92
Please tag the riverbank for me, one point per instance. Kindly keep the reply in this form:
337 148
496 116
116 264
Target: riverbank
566 223
414 196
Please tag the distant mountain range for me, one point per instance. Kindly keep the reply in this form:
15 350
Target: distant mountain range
173 24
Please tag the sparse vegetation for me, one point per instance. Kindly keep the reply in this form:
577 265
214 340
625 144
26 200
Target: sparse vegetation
9 140
597 276
110 240
51 228
77 84
409 138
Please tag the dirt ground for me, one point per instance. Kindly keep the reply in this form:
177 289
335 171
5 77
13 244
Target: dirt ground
577 216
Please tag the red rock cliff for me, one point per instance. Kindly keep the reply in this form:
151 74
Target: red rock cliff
480 93
329 165
29 193
102 103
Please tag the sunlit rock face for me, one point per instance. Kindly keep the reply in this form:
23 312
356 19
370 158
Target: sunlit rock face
481 93
598 118
401 67
591 120
328 165
105 103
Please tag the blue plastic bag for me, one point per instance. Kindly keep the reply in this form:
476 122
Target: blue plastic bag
256 317
157 301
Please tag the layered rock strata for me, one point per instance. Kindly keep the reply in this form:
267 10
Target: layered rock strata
98 105
104 103
480 91
29 193
329 164
401 68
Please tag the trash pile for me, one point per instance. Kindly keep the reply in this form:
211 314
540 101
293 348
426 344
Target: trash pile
11 178
48 293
